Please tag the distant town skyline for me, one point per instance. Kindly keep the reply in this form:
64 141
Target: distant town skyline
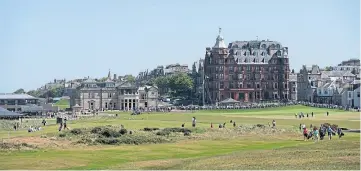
43 40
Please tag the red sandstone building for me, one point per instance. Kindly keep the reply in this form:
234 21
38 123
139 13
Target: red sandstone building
247 71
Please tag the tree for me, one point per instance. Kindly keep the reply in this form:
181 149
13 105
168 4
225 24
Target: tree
162 84
328 68
103 79
19 91
181 85
194 78
129 78
293 71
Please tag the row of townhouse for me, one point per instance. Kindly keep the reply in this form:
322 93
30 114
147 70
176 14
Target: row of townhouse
328 87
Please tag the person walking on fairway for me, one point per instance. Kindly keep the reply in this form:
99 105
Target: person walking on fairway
315 134
194 122
305 134
329 132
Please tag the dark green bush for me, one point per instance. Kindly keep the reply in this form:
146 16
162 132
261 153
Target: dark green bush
260 126
107 132
150 129
187 133
123 131
177 129
96 130
163 133
76 131
62 135
110 141
136 140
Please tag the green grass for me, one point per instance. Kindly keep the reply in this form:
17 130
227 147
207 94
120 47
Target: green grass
63 103
237 152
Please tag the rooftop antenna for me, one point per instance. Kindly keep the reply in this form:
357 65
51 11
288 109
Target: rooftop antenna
219 30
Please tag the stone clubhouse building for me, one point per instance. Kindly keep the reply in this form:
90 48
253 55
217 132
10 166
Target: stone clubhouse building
114 95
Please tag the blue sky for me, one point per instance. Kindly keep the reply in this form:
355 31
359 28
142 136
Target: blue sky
41 40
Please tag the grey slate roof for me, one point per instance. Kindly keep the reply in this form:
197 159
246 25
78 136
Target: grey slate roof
16 96
255 52
89 80
336 73
126 85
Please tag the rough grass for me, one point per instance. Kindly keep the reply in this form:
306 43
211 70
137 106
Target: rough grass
247 147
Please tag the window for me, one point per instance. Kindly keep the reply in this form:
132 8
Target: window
240 85
286 86
349 94
240 68
326 92
275 85
358 94
249 85
279 53
293 89
221 85
231 85
257 76
109 95
240 76
258 86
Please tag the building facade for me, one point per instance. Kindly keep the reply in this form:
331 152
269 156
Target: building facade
293 87
110 95
247 71
15 102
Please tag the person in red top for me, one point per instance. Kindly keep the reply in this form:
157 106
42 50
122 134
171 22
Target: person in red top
305 134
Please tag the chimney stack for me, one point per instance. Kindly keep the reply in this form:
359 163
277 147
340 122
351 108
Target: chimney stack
115 76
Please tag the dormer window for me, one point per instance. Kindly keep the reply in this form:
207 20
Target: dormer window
278 53
278 46
264 46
